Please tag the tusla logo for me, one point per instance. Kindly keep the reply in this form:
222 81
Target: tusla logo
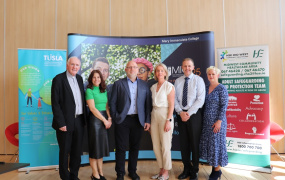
256 98
223 55
52 58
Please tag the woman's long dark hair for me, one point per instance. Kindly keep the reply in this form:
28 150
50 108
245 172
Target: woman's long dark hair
102 85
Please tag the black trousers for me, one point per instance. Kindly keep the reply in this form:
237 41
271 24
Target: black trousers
70 143
189 135
129 132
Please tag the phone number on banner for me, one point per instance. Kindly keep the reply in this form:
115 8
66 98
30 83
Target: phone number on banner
248 146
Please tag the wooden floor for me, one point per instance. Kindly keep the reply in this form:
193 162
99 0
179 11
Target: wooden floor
147 168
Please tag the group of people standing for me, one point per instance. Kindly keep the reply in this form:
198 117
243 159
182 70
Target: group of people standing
133 107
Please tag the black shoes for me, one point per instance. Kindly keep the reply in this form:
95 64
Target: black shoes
193 176
120 177
215 175
94 178
185 174
134 176
102 177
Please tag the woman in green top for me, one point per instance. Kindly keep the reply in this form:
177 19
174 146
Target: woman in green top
98 123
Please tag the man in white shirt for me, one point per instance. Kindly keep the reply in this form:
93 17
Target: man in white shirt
189 98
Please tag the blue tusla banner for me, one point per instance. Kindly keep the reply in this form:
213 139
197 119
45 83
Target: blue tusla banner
37 140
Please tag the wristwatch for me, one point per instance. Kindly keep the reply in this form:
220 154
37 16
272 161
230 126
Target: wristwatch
169 120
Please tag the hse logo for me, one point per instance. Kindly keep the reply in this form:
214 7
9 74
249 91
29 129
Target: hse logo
223 55
257 54
52 58
230 143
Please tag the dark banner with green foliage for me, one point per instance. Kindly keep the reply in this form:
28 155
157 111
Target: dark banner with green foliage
111 54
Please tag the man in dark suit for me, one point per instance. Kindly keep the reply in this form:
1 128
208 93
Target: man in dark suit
69 115
130 107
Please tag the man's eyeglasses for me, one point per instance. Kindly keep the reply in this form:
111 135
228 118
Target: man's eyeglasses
131 67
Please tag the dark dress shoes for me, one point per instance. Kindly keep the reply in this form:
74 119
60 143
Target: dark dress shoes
120 177
216 175
102 177
193 176
185 174
94 178
134 176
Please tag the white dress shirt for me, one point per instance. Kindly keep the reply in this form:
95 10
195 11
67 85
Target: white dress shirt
195 96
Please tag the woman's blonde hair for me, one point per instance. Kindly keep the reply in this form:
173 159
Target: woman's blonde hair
165 69
218 71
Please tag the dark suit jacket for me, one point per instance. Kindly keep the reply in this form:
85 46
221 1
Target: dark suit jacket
63 104
120 101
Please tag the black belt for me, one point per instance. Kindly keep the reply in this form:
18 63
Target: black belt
132 115
78 115
184 110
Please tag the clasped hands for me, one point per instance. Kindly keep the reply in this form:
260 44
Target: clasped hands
108 123
184 116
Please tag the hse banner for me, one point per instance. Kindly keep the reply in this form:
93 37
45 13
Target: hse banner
115 52
245 73
37 140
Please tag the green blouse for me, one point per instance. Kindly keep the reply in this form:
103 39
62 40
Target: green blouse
100 99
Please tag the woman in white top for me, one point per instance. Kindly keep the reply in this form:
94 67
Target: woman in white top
162 123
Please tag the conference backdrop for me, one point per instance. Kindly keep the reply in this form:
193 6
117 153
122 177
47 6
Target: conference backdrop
170 50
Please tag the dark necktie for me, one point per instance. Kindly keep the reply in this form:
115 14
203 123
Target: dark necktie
185 92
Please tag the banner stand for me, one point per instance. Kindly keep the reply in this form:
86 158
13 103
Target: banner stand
28 169
37 138
250 168
245 74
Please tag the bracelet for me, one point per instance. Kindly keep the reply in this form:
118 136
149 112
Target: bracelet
109 118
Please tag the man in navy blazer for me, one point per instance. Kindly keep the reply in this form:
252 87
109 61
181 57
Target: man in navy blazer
69 115
130 107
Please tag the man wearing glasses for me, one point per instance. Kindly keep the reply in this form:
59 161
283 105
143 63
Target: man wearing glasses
130 106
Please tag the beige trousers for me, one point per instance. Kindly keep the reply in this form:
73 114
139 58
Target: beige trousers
161 140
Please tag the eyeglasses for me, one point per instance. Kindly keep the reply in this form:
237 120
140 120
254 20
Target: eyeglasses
142 70
131 67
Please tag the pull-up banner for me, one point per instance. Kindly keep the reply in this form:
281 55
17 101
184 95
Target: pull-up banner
117 51
245 73
37 140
